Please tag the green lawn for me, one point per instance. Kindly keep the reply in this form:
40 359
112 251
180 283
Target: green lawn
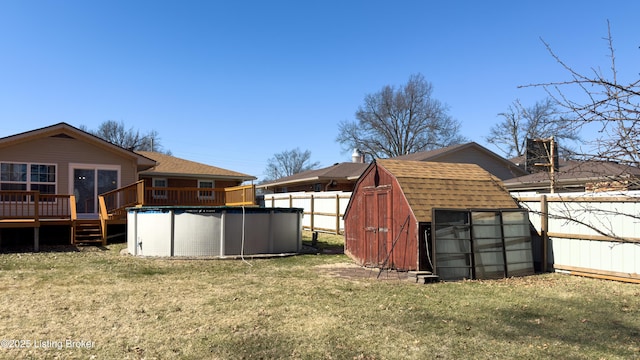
297 307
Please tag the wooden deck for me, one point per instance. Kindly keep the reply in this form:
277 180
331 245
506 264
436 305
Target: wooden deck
31 209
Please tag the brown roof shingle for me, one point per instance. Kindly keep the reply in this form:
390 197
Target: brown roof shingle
345 170
171 165
428 185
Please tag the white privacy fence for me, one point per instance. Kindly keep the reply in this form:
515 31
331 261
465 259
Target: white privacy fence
594 235
323 211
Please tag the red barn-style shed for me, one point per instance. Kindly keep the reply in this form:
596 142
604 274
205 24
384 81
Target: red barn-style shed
388 220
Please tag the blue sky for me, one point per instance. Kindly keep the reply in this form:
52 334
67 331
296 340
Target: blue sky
232 83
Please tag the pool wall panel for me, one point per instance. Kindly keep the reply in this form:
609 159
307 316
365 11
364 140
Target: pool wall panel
202 231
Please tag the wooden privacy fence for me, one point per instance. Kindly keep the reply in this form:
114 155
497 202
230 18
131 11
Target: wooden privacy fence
587 234
323 211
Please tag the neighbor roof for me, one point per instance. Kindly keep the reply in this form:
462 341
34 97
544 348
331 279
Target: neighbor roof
173 166
345 170
438 154
575 172
428 185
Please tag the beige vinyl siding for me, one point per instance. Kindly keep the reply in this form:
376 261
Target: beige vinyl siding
472 156
61 151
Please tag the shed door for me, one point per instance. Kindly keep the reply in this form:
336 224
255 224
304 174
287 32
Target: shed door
377 225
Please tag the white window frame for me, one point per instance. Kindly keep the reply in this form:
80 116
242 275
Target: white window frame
159 194
28 183
212 192
94 168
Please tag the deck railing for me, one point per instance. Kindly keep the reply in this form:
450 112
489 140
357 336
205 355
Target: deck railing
113 204
240 195
184 196
22 204
32 205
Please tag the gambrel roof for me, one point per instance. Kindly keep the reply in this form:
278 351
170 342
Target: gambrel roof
428 185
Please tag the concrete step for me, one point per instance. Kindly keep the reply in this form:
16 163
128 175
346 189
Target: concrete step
422 277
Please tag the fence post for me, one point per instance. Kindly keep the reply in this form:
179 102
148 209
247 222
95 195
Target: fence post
312 212
544 230
337 214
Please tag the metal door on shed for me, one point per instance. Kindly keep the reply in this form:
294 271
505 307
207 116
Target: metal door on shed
377 207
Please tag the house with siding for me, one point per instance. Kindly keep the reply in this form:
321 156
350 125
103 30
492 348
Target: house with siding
578 176
343 176
61 175
470 153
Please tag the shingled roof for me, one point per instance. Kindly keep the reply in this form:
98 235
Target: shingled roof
173 166
346 170
469 153
428 185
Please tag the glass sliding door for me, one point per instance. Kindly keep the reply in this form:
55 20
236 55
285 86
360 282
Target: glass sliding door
84 183
89 181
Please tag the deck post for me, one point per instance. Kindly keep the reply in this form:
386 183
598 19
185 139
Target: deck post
36 239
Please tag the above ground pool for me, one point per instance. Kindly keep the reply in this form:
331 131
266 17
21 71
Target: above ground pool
193 231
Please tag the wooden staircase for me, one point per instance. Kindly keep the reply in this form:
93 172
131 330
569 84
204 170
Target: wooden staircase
87 232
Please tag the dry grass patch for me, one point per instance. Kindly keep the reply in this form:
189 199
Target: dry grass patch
298 307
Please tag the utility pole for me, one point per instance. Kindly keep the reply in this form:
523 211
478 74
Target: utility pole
545 150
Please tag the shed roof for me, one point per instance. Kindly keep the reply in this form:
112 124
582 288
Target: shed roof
428 185
168 165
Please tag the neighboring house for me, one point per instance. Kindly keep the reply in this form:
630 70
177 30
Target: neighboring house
392 221
470 153
343 176
579 176
338 177
61 175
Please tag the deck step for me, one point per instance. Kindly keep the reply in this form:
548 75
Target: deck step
87 231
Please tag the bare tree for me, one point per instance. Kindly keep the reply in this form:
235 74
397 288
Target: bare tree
599 99
519 123
609 104
399 121
116 133
289 162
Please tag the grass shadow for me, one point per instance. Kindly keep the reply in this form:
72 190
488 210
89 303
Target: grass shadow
322 243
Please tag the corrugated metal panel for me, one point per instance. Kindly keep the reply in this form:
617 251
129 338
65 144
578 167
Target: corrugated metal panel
210 231
154 233
197 234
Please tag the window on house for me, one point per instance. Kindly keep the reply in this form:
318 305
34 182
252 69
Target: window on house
208 194
24 176
159 183
43 178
